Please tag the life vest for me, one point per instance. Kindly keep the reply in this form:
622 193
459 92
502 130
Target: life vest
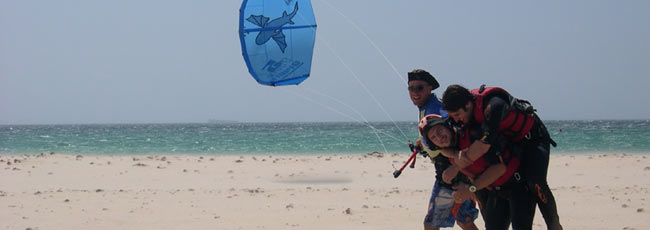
481 164
516 124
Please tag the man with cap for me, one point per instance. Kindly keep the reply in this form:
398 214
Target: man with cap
439 214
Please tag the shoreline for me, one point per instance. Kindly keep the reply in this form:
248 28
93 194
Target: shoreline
60 191
285 154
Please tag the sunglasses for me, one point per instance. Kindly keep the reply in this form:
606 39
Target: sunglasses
416 88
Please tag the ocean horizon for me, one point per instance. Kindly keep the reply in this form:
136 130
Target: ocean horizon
219 137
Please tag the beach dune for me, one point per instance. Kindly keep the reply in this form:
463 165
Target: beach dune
58 191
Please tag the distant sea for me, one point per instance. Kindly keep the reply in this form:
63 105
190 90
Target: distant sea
312 138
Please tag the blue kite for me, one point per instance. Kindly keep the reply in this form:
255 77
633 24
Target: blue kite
286 60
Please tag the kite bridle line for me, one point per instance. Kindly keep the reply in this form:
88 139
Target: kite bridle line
367 38
374 130
414 149
356 77
366 122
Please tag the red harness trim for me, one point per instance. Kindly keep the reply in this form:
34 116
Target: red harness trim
480 164
515 125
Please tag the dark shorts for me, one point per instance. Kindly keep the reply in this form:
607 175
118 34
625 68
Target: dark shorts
511 206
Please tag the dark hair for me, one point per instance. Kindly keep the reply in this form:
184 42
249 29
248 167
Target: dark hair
455 98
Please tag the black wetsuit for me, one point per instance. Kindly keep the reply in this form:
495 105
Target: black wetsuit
441 163
535 151
510 202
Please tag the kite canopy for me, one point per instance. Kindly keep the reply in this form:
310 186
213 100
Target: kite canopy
277 40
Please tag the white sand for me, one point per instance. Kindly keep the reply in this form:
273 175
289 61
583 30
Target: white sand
324 192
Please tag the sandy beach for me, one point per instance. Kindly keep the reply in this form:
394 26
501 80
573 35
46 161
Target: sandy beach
55 191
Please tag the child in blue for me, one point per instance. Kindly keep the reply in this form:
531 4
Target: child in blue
439 214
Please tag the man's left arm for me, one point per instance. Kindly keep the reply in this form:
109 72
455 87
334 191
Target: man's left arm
476 150
488 177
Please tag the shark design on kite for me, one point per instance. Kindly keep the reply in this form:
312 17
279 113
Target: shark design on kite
273 28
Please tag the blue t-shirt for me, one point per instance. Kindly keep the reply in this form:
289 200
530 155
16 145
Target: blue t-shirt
433 106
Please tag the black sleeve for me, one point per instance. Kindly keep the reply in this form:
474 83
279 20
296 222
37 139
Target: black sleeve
499 108
492 157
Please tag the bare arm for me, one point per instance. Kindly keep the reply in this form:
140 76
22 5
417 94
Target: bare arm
488 177
450 173
476 150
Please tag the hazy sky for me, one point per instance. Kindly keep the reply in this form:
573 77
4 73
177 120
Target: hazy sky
157 61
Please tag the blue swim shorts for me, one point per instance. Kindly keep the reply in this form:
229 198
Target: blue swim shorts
440 213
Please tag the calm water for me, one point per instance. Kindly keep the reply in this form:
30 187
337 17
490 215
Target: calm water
631 137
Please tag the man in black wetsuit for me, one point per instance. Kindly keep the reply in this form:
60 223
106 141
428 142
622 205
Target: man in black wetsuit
500 114
493 178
